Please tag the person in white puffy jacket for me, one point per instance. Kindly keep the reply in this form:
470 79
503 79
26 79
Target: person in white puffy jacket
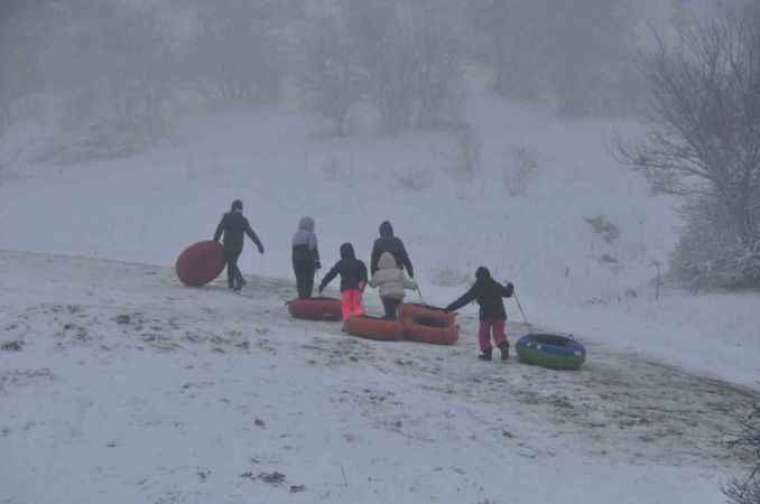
392 283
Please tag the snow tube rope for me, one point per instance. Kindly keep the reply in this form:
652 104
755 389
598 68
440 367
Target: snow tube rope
551 351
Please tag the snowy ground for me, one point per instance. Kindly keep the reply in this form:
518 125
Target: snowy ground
118 385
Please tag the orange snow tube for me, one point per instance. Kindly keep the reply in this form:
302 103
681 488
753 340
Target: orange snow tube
374 328
319 308
200 263
428 324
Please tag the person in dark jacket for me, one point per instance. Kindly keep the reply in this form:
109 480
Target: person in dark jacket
489 294
390 243
353 279
305 257
234 226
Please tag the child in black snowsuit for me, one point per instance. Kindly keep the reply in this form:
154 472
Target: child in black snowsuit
233 226
489 294
353 279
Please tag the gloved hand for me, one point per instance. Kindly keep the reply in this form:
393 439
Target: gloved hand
261 249
317 265
510 289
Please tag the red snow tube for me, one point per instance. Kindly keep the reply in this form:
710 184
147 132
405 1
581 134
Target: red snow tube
320 308
200 263
428 324
374 328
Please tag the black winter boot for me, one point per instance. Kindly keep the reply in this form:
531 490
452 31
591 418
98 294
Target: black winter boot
486 355
504 347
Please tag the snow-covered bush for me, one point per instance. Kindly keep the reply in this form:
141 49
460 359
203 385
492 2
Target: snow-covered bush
463 160
521 169
710 253
747 490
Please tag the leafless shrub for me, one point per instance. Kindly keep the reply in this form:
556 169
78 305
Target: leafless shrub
464 158
521 169
449 277
601 226
746 490
414 179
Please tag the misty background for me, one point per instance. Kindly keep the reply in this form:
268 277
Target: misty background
111 77
88 80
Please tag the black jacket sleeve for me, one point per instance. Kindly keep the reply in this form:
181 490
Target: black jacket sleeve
404 259
363 274
467 297
219 229
329 277
252 235
374 258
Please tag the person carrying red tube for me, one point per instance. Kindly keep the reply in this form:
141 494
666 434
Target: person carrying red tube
231 230
353 280
489 295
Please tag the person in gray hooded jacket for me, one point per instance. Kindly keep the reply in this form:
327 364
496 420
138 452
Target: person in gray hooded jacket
305 257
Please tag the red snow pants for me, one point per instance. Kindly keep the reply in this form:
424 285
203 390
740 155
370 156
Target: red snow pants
488 327
351 303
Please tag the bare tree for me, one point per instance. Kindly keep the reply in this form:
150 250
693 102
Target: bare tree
237 50
545 48
332 78
704 140
402 57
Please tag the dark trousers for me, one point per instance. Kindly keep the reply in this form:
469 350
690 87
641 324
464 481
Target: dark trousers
391 307
234 276
304 271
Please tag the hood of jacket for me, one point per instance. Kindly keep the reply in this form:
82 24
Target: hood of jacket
386 230
387 261
482 274
347 251
237 205
306 224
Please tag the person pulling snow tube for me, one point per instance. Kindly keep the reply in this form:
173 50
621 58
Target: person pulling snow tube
551 351
318 308
374 328
428 324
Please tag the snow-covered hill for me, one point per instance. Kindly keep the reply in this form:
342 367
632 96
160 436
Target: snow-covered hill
147 208
119 385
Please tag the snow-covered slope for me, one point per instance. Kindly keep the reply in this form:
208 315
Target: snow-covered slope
119 385
149 207
146 208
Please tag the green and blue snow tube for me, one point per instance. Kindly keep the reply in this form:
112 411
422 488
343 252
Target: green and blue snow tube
551 351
